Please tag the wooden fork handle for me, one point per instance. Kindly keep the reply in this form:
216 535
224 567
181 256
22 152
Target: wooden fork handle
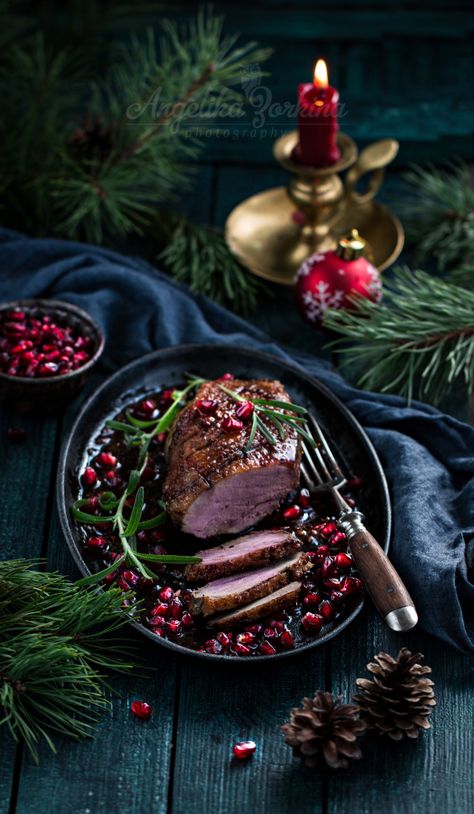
382 581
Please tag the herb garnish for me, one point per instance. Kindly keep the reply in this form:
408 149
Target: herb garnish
139 434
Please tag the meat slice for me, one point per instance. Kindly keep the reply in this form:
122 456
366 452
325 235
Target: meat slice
241 554
240 589
285 597
214 486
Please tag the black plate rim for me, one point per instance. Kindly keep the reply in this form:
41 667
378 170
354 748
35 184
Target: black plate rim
68 528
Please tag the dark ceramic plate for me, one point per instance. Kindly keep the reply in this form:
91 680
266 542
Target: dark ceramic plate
168 368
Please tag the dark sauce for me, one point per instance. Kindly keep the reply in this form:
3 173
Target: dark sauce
330 589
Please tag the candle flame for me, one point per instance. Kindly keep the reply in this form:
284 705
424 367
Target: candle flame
320 79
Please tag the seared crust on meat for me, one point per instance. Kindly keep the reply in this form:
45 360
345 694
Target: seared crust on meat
202 455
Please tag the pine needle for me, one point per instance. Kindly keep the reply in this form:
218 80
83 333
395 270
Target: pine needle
418 343
56 649
440 214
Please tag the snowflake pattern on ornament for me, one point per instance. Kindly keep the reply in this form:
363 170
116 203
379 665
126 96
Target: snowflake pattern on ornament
320 299
374 286
307 266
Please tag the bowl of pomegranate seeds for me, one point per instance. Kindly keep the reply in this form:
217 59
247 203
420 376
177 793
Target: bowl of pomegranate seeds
47 348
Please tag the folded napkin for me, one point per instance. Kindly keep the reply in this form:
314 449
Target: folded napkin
428 457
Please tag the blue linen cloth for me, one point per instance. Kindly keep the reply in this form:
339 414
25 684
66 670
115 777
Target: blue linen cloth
428 457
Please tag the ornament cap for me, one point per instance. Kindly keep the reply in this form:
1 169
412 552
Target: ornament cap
352 246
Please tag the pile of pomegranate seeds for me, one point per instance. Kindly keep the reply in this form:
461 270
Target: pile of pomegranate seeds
244 749
34 345
257 639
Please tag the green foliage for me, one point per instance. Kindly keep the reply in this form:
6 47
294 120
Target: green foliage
417 343
91 159
200 257
56 647
440 214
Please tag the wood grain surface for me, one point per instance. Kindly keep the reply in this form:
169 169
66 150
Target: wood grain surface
393 62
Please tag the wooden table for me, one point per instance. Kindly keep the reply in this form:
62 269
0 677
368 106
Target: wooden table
180 761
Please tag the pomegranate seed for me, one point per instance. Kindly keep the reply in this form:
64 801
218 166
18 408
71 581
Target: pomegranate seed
166 594
338 539
326 610
162 609
176 608
187 620
167 395
147 407
97 543
292 513
89 476
223 639
287 640
328 528
336 597
93 505
16 316
244 410
312 621
112 479
343 560
321 552
157 621
355 483
245 638
16 434
231 423
141 709
244 749
312 599
122 584
332 584
328 569
226 377
47 369
270 633
107 459
351 585
131 577
206 406
255 629
266 649
173 627
304 498
242 649
213 646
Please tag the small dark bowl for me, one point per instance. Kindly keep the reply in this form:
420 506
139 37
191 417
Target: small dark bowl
53 392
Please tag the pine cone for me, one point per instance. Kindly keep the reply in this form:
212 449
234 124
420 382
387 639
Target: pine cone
324 731
398 700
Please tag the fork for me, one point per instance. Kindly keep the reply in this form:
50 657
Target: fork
322 474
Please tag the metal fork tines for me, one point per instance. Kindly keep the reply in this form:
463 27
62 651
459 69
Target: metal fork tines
322 473
319 467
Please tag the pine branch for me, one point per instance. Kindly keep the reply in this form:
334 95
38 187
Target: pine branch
199 257
418 343
55 650
440 214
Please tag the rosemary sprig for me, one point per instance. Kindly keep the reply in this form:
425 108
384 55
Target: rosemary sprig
275 411
140 434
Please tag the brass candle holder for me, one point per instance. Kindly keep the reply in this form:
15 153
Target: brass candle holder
273 232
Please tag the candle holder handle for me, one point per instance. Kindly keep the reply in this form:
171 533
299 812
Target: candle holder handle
373 159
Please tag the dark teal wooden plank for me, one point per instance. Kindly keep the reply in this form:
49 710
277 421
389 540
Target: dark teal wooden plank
433 774
219 708
25 481
126 767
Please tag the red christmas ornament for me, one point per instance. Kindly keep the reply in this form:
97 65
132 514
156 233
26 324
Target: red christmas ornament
328 279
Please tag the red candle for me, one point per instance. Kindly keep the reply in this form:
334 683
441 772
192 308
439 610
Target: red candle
317 120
